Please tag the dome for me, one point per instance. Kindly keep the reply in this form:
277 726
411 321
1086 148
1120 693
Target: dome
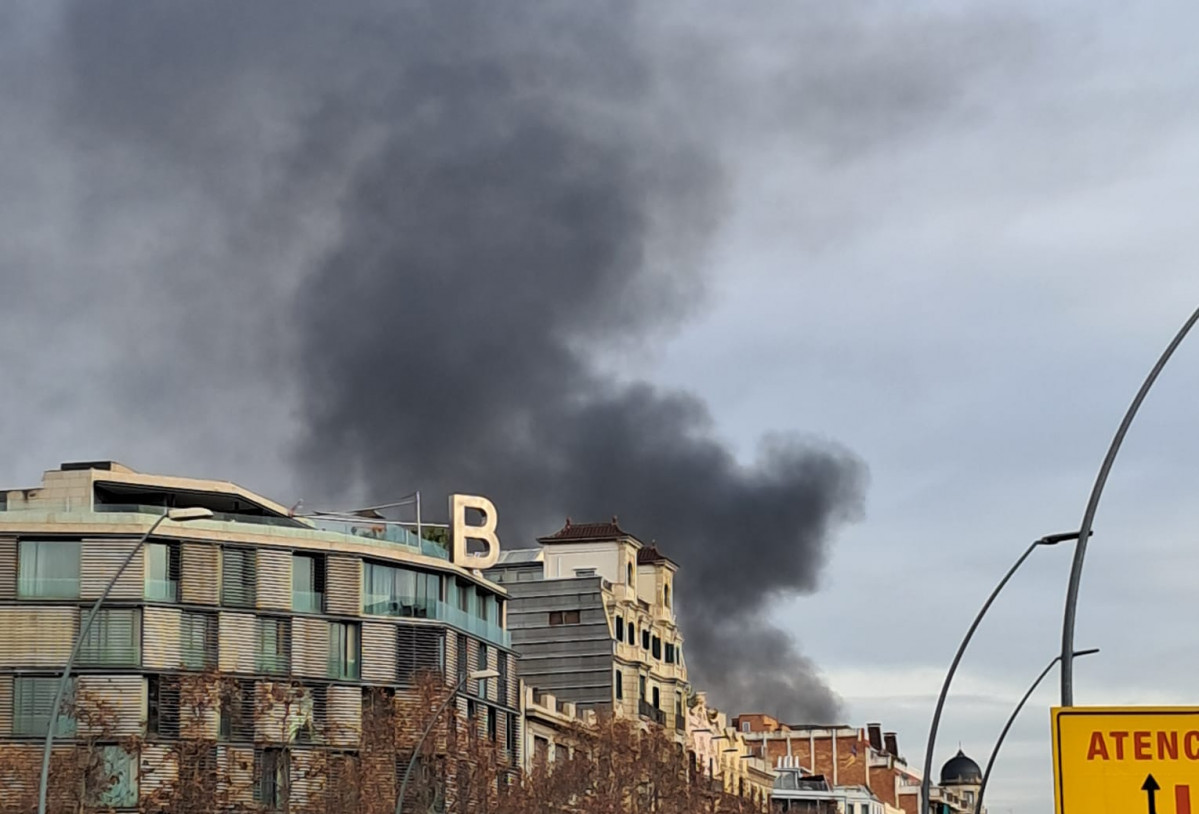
960 770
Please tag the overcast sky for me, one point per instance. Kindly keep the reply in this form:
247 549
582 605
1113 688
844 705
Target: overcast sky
950 242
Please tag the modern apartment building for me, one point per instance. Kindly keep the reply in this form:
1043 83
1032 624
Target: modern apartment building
592 615
336 611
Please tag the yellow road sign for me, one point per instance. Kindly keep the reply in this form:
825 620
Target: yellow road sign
1130 760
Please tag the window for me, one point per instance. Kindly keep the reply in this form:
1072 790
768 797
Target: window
162 572
482 688
620 628
272 644
117 786
666 595
198 640
618 682
657 699
564 618
308 583
238 577
561 753
492 728
343 650
486 605
656 649
745 726
584 572
669 653
462 645
390 591
307 714
48 569
162 708
501 683
628 574
632 634
237 711
272 775
419 652
641 680
645 640
114 638
849 808
33 701
510 736
541 750
466 597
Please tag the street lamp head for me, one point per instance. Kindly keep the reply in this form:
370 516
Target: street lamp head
1064 537
479 675
1089 652
192 513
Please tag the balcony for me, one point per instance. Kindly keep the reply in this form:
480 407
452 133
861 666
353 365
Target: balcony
422 608
648 710
162 590
48 587
307 601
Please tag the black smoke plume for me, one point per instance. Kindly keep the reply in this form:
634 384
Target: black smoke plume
421 236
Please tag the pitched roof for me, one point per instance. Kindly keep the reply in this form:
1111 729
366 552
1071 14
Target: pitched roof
650 555
587 532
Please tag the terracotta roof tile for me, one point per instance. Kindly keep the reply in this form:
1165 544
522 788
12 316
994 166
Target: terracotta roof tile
650 554
587 532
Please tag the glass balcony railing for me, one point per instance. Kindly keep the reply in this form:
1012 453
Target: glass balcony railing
162 590
413 608
48 587
307 601
385 532
271 663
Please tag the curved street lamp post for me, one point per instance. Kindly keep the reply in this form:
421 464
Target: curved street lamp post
982 789
1080 551
925 783
174 515
478 675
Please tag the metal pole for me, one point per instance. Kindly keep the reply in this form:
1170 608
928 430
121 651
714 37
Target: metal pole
65 681
925 782
1080 550
982 789
421 742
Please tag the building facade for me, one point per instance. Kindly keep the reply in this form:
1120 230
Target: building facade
307 619
592 614
721 755
845 756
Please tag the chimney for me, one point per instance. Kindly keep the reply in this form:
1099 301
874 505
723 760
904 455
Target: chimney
892 745
876 736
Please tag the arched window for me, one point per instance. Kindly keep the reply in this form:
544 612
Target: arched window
628 574
666 595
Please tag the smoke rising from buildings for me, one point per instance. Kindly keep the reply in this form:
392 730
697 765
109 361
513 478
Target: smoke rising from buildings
417 235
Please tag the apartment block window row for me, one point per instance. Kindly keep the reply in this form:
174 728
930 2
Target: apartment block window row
344 650
389 590
239 577
272 645
162 571
420 651
48 569
113 640
308 583
198 640
570 617
33 700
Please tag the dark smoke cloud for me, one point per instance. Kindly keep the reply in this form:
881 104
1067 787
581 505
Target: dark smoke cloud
412 230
